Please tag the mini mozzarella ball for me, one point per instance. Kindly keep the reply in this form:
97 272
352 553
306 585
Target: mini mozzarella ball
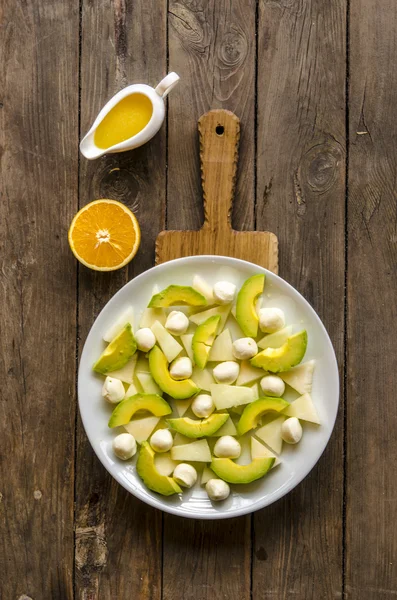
245 348
181 368
203 406
113 390
217 489
161 440
145 339
177 322
291 431
124 446
227 447
272 386
224 292
185 475
226 372
271 319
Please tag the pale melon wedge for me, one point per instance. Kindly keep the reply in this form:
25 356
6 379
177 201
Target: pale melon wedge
222 348
226 396
206 475
141 428
203 316
132 390
142 366
126 317
275 340
164 463
258 450
203 378
203 288
148 384
168 344
151 315
182 406
303 408
228 428
126 373
180 439
256 391
195 452
248 373
300 378
271 434
187 340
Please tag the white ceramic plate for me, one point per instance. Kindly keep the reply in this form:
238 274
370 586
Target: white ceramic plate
297 461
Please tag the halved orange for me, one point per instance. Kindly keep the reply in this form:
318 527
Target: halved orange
104 235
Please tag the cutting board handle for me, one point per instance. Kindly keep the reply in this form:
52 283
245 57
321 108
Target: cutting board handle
219 132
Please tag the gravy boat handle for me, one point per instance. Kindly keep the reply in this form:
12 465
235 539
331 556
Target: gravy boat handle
167 84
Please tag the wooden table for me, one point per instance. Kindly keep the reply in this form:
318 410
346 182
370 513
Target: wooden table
315 85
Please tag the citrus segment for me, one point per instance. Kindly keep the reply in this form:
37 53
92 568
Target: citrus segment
104 235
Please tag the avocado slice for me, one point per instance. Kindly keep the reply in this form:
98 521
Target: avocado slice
147 471
203 339
177 295
124 411
245 307
231 472
252 412
158 365
285 357
198 429
118 352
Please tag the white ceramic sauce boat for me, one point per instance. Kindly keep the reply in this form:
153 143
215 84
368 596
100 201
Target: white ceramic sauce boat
156 95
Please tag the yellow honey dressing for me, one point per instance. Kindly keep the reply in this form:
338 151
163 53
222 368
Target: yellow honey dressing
124 120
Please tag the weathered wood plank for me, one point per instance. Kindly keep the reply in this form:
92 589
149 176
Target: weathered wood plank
371 507
212 48
115 533
301 197
38 134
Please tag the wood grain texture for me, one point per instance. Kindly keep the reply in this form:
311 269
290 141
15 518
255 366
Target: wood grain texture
301 197
116 533
371 502
38 189
212 47
219 138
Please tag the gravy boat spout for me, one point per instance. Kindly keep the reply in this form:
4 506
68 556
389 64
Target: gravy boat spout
89 146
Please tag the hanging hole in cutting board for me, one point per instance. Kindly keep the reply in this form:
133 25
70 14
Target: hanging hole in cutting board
220 130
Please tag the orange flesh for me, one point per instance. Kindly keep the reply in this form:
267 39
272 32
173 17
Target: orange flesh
124 120
104 235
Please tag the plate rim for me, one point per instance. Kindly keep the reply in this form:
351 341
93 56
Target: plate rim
231 513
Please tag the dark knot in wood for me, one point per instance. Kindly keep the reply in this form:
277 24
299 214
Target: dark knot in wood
321 166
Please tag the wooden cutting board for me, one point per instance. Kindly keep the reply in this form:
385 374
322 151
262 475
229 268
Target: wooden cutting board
219 132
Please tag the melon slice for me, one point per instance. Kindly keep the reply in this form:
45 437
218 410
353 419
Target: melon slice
206 475
187 340
275 340
126 373
228 428
204 288
168 344
182 406
148 384
303 408
180 439
271 434
300 378
258 450
226 396
141 428
222 348
195 452
248 374
223 311
164 463
203 378
126 317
